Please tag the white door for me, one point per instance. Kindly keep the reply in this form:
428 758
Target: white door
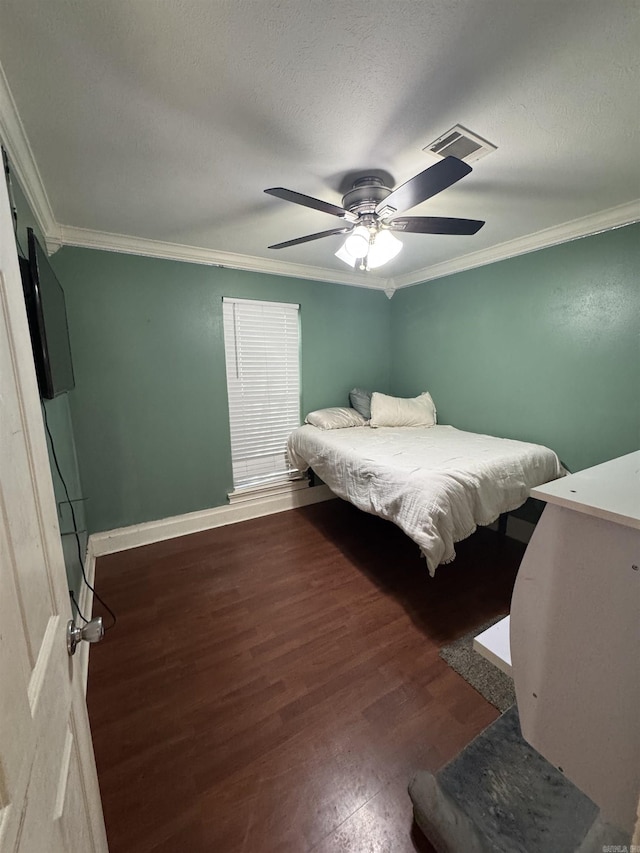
49 797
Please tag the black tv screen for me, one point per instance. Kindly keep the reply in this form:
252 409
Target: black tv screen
47 315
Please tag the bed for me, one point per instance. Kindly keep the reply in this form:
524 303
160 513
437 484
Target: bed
437 483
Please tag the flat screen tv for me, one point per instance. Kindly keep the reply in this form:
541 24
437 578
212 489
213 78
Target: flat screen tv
47 315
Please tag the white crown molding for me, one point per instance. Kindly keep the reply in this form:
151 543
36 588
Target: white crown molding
605 220
24 166
109 242
26 170
123 538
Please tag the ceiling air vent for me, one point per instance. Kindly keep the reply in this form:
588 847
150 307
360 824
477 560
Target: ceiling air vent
461 143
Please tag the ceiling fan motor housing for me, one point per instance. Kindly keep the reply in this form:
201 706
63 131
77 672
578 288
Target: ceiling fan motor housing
371 207
365 195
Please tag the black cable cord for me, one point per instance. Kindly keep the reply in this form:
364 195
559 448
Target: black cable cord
12 203
14 216
20 249
77 606
75 527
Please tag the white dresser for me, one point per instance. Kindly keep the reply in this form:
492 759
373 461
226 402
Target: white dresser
575 634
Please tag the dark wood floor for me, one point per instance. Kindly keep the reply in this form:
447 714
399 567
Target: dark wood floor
273 685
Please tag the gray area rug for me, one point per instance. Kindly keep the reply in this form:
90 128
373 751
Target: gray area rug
496 687
501 796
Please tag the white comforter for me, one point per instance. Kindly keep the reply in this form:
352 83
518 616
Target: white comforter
436 483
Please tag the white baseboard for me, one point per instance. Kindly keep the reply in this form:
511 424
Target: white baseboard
120 539
123 538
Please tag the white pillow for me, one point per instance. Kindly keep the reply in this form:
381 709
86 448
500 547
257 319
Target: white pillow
398 411
337 417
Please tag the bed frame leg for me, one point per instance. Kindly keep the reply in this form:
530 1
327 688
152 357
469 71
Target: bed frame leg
502 524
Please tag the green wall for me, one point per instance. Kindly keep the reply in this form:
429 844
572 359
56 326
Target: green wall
150 404
59 421
543 347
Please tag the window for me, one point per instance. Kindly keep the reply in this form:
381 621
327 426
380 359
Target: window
262 347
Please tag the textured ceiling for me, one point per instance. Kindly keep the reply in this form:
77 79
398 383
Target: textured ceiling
166 120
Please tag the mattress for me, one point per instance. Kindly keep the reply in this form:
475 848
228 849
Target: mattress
436 483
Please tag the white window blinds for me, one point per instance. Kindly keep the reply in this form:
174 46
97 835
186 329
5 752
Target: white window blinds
262 346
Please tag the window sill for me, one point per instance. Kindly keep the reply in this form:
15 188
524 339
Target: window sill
256 493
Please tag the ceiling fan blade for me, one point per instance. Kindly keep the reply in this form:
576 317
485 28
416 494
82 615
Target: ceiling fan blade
310 237
421 187
435 225
309 201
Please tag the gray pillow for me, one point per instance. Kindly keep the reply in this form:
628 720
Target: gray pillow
361 401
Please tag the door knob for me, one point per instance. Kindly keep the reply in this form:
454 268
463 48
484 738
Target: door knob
92 632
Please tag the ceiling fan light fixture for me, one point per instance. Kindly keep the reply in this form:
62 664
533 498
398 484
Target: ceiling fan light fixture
357 243
346 257
370 208
383 249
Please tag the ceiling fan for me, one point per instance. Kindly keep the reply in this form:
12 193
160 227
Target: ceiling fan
370 209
